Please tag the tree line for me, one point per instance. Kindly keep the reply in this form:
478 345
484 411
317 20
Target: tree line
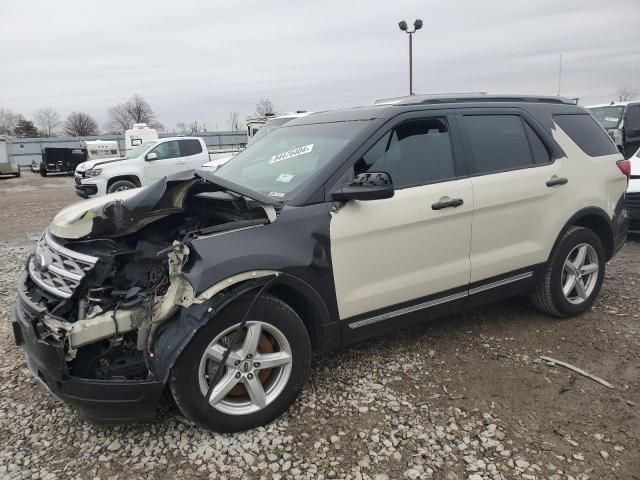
46 122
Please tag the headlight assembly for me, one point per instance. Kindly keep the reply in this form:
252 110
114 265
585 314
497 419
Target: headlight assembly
93 172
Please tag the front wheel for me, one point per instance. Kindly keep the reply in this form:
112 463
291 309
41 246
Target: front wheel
120 186
574 274
266 369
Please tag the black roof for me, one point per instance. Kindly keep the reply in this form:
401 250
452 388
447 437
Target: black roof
390 107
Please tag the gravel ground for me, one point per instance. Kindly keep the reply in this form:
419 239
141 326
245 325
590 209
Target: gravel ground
463 397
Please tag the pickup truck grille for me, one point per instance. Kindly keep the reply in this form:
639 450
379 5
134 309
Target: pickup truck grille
57 269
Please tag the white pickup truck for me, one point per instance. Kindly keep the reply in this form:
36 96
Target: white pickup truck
140 166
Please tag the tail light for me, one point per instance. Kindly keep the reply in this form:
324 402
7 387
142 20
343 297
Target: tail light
625 167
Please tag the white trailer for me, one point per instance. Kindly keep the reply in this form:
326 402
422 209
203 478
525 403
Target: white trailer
8 166
139 134
98 149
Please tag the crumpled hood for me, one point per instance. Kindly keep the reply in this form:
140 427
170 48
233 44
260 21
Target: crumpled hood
121 213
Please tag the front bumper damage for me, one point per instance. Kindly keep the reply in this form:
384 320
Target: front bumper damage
104 309
101 400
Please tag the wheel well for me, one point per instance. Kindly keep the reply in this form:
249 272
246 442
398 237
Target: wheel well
600 227
303 308
132 178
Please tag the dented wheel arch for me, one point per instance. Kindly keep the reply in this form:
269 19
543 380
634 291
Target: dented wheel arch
197 310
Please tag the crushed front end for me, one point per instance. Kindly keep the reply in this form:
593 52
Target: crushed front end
78 317
89 307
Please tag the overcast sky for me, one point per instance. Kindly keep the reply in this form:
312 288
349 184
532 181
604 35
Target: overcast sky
199 60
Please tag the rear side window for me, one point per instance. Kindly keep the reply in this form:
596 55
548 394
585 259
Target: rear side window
586 133
500 142
190 147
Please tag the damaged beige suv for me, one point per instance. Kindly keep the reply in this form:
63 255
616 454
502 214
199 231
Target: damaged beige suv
219 287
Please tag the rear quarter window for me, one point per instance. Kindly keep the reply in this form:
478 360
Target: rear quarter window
586 133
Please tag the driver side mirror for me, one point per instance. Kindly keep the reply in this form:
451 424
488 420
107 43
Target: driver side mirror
151 156
366 186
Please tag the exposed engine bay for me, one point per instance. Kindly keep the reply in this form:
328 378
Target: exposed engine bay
110 275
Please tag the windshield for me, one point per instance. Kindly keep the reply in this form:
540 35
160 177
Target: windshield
608 117
286 159
136 152
267 128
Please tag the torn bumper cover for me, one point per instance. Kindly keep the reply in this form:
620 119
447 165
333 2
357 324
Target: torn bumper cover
103 400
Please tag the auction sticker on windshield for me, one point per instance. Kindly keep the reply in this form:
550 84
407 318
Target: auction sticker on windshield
294 152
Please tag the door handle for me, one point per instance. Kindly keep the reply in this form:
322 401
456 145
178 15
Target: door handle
553 181
454 202
181 162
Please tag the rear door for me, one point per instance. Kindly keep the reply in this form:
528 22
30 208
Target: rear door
396 251
521 195
194 153
169 160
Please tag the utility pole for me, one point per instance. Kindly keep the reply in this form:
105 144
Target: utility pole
417 25
560 75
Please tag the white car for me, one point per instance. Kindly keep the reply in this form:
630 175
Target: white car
140 166
633 194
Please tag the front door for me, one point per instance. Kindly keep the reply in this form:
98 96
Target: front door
415 244
168 161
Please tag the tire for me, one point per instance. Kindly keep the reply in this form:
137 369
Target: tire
43 172
283 383
18 173
550 296
121 185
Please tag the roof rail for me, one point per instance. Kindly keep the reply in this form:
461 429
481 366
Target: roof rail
466 98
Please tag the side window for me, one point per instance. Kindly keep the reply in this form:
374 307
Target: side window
538 149
498 142
632 120
413 153
586 133
167 150
190 147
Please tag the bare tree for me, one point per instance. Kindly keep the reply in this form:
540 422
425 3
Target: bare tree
8 121
135 110
626 92
264 107
47 119
119 120
79 124
188 128
233 121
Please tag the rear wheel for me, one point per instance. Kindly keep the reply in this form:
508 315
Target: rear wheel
266 369
120 186
18 173
574 275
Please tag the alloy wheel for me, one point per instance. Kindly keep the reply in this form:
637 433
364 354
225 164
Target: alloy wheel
256 372
580 273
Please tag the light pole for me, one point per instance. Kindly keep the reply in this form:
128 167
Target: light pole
417 25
